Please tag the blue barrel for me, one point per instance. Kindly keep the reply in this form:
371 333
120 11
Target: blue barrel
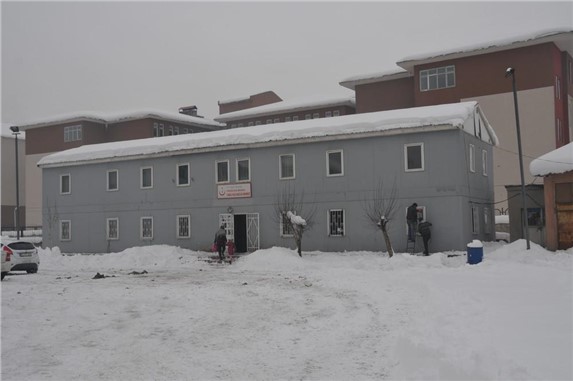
475 252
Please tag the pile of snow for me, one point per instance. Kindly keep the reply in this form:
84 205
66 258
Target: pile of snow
275 315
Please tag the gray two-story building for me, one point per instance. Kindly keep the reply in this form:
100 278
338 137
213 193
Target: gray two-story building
177 190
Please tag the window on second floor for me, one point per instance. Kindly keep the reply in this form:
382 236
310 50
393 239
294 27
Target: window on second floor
183 175
484 162
414 157
472 158
146 178
243 170
72 133
112 180
223 171
286 168
438 78
334 163
66 184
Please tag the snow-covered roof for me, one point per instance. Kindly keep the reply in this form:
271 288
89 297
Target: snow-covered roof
554 162
117 117
364 79
563 38
300 104
447 116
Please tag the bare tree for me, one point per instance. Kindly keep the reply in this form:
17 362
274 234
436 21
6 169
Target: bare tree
381 209
290 213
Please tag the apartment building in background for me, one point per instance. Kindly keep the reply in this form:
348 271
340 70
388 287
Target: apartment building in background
543 67
63 132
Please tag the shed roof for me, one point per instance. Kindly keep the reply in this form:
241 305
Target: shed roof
554 162
429 118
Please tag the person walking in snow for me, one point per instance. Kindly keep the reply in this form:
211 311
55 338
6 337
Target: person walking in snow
412 220
221 241
424 229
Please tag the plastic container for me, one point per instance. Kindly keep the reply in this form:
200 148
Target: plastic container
475 252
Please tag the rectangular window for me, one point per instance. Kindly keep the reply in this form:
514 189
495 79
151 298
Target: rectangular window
175 130
112 229
286 226
295 118
315 115
66 184
288 119
223 171
183 175
155 130
170 131
328 114
484 162
557 87
183 230
277 120
334 163
336 223
269 121
250 124
437 78
161 129
185 130
243 170
336 113
146 177
472 158
307 116
414 157
146 228
72 133
65 230
240 125
286 167
112 180
475 220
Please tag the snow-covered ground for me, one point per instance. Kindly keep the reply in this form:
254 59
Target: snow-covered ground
273 315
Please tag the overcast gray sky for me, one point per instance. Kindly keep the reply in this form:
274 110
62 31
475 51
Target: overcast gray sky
61 57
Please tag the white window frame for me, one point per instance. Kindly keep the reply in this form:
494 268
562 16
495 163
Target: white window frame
217 180
69 176
281 175
250 124
116 180
328 171
307 116
248 160
288 119
336 113
141 186
295 118
161 129
178 179
437 73
73 133
69 238
484 162
269 121
141 236
178 226
277 120
423 161
472 153
107 229
328 114
315 115
155 129
329 219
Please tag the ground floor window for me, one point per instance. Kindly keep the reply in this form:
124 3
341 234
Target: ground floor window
146 228
183 230
112 228
336 222
65 230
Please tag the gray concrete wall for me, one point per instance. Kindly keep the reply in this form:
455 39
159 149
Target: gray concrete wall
446 188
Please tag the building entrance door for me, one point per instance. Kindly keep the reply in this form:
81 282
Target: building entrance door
242 229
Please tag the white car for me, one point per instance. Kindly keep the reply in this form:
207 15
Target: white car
24 256
6 263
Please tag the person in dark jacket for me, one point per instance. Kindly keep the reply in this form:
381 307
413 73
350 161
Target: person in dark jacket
412 220
424 229
221 241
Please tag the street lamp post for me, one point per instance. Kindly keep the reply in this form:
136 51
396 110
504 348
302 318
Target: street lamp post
15 131
510 72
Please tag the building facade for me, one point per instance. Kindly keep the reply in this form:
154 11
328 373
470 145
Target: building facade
64 132
105 198
544 81
311 107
